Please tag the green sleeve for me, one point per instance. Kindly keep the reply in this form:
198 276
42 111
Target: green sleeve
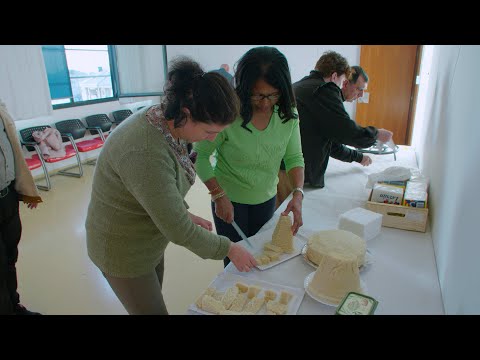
204 150
293 154
156 191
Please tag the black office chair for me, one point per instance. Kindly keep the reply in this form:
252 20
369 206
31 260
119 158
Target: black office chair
74 129
120 115
101 123
27 139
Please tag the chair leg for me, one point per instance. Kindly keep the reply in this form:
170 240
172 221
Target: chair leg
79 163
47 178
45 171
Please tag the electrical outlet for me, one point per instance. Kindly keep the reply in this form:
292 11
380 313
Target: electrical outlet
364 98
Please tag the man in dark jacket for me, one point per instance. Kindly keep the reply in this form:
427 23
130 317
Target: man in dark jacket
325 126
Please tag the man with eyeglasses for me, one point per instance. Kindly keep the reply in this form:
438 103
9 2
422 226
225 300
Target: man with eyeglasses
325 125
354 87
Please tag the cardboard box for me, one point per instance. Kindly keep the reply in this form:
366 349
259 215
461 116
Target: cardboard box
399 216
387 194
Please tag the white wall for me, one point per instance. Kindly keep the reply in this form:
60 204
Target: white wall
301 58
446 140
23 81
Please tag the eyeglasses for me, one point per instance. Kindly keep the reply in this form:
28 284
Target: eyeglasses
260 97
358 88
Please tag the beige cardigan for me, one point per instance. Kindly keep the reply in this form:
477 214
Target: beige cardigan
24 183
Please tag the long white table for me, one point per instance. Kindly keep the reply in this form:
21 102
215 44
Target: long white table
403 276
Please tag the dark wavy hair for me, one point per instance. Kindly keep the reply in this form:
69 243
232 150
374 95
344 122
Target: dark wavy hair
208 96
331 62
355 73
271 65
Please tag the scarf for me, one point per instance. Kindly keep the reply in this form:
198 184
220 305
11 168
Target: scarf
155 117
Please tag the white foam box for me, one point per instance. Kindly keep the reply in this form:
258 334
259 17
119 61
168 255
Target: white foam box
399 216
364 223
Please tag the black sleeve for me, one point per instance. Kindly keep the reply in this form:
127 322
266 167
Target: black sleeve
343 153
335 123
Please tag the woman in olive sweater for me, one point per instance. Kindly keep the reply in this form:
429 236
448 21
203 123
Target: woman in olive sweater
141 178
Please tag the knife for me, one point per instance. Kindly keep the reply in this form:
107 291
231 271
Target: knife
242 235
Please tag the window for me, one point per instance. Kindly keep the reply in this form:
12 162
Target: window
141 69
79 74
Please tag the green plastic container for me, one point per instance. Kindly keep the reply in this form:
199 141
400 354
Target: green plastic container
357 304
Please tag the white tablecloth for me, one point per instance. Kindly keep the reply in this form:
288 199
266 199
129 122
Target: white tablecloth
403 276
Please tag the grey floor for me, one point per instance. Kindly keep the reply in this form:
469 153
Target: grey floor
55 274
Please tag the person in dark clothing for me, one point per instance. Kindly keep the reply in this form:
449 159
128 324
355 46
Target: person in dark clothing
224 71
353 88
16 184
325 126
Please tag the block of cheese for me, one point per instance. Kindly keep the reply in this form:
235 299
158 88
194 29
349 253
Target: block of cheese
253 291
336 275
239 302
276 307
270 295
209 291
259 259
282 235
229 296
211 305
274 256
285 297
243 288
271 247
341 242
217 295
362 222
254 305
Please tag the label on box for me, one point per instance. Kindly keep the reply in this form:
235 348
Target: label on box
415 203
387 194
415 195
357 304
392 182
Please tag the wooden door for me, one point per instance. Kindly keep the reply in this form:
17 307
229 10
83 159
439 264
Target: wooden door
391 72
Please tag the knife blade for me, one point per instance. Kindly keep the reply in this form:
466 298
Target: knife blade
240 232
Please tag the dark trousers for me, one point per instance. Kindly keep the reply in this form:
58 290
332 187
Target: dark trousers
10 233
250 218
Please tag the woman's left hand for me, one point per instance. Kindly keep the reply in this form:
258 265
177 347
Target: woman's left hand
204 223
295 206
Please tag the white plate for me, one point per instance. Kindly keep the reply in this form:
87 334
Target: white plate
297 246
309 278
225 280
368 259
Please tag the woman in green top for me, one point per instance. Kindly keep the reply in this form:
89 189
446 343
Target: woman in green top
141 178
243 182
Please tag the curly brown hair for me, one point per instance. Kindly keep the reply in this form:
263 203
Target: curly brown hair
208 96
331 62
